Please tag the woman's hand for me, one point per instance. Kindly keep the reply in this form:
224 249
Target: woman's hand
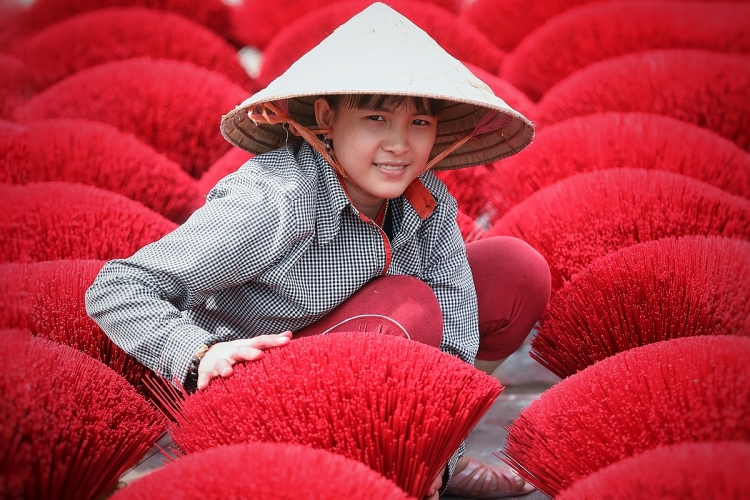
220 358
432 493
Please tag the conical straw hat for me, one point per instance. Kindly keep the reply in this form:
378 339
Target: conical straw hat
379 51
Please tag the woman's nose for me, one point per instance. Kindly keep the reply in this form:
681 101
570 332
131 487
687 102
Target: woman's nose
397 141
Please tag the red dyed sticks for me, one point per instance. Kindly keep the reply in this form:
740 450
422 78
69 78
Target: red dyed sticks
685 471
646 293
474 189
257 22
15 85
507 23
71 426
211 13
170 105
615 140
460 40
400 407
48 298
105 35
100 155
505 91
59 220
683 390
470 229
263 471
230 162
705 88
586 216
603 30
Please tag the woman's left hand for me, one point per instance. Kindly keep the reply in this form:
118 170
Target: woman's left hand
432 493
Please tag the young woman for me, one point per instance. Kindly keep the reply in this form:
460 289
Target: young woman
339 203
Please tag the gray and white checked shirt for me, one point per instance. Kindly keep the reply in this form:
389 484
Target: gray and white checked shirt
277 245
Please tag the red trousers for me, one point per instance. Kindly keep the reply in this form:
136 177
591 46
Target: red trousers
513 287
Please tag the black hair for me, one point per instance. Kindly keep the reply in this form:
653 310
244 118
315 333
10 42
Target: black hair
387 102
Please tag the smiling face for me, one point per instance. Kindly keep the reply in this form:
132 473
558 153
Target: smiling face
382 146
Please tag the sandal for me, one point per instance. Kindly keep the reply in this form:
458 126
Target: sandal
476 481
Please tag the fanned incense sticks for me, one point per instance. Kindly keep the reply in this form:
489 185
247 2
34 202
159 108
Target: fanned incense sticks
603 30
71 426
268 471
400 407
100 155
646 293
586 216
48 298
61 220
682 390
605 141
684 471
697 86
170 105
119 32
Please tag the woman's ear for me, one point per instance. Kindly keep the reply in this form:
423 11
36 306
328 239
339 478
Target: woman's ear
323 113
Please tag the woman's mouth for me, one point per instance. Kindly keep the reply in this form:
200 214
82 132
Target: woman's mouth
391 166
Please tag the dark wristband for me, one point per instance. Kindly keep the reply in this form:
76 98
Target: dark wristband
191 381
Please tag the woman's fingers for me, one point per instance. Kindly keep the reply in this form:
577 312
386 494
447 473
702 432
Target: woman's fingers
220 358
264 341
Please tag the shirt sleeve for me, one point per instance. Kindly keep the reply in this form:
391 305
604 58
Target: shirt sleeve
448 273
139 301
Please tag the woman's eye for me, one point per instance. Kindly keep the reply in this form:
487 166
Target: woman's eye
375 118
421 122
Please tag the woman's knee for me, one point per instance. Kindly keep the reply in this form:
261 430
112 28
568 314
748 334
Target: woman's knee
506 268
513 288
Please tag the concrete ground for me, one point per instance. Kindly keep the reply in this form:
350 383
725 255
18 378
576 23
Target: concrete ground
524 380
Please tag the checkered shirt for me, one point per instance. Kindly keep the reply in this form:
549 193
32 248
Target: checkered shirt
277 245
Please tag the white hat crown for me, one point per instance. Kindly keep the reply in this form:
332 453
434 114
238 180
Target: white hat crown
379 51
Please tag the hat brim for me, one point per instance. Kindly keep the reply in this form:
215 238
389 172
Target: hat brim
381 52
456 120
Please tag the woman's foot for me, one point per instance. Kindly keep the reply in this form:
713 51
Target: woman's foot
475 479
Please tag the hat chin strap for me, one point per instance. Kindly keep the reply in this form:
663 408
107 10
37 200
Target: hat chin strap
277 112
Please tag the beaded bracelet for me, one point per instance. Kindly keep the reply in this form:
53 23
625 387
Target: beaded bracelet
192 376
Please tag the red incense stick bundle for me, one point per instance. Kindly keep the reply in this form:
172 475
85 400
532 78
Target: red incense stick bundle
139 96
61 220
71 426
211 13
646 293
48 298
116 33
100 155
474 190
684 471
469 227
15 85
697 86
578 219
603 30
518 18
269 471
682 390
258 22
399 406
227 164
604 141
505 90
